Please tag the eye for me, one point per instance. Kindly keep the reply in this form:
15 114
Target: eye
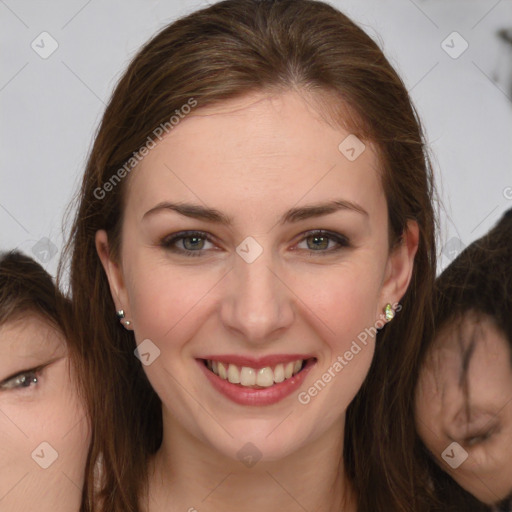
195 243
21 380
322 241
27 378
192 242
479 438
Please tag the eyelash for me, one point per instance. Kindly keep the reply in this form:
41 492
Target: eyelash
169 241
480 437
35 375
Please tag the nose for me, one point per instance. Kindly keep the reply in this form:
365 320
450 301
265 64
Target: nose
455 408
257 306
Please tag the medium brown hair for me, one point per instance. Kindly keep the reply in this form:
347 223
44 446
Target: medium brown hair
225 51
479 281
26 287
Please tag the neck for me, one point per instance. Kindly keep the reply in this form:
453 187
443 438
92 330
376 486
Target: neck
188 475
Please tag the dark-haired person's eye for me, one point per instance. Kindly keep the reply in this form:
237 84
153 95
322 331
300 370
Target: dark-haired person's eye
26 378
479 437
22 380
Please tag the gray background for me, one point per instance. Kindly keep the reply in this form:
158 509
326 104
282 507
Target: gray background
51 107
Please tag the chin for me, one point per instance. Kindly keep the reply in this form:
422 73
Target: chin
257 445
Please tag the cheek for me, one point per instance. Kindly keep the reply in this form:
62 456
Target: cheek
161 297
428 413
14 448
42 439
43 452
344 299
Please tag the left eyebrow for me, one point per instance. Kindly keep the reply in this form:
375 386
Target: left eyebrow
307 212
298 214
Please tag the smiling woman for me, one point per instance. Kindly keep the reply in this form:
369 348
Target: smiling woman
286 217
44 432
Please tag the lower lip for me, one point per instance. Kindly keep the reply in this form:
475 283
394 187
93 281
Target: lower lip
262 396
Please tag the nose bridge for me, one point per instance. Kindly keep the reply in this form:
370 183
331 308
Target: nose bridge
257 304
455 413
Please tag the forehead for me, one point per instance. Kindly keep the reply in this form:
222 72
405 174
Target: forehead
475 350
473 338
260 147
29 335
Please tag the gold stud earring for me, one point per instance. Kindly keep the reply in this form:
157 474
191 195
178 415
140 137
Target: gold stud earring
389 314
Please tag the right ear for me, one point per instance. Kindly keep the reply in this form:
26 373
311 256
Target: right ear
113 270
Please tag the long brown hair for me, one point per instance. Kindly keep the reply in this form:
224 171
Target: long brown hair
228 50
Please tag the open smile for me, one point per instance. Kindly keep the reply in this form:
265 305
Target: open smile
256 384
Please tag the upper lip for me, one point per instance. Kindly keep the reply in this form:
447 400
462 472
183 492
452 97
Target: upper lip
257 362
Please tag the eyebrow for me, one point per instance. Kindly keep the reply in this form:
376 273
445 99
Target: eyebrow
297 214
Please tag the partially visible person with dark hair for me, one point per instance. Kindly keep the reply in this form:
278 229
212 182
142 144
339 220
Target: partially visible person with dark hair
464 392
44 428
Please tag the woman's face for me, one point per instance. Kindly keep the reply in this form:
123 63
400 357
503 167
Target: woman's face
480 424
44 433
221 270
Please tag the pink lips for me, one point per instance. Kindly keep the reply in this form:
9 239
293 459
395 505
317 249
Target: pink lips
253 396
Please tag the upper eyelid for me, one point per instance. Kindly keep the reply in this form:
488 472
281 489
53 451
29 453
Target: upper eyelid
36 369
485 434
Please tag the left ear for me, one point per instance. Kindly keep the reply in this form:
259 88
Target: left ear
400 266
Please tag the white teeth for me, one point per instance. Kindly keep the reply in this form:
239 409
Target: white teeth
265 377
247 376
262 377
279 373
222 371
233 374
